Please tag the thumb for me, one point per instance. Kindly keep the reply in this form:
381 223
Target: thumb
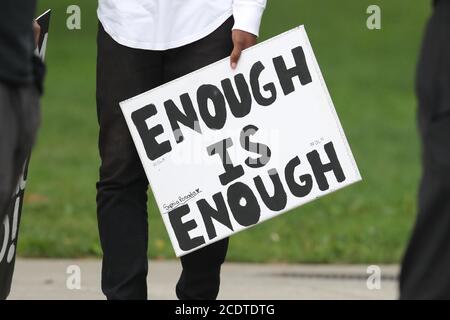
234 57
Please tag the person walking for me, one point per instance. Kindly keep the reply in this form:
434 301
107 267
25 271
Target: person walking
141 45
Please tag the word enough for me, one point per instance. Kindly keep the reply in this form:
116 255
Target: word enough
244 205
239 102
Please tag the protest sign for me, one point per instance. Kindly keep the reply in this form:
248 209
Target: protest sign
227 149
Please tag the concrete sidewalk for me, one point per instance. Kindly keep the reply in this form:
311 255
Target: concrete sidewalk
46 279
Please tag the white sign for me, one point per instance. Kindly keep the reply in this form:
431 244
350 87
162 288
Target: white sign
226 149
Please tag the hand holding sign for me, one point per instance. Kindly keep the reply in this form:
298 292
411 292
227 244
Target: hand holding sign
37 32
241 41
226 150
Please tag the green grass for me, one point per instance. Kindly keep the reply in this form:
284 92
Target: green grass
370 75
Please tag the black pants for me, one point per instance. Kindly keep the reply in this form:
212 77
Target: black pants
122 73
425 270
19 122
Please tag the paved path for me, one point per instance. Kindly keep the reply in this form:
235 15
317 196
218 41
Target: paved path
46 279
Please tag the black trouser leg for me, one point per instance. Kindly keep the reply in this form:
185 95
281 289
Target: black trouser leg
9 137
200 278
122 189
121 200
19 121
425 270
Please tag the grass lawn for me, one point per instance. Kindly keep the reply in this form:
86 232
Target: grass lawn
370 75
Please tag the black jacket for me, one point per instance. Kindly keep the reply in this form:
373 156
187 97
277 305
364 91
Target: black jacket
16 41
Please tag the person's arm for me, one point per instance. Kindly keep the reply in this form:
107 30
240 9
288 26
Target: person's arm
247 19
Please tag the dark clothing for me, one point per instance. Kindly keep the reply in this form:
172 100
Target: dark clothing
16 41
122 73
437 1
19 121
425 270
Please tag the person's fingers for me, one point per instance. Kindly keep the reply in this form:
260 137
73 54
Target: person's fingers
241 40
234 57
37 32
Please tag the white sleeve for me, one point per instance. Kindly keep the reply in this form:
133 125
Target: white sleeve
247 15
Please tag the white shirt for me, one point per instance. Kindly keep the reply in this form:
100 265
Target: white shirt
165 24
